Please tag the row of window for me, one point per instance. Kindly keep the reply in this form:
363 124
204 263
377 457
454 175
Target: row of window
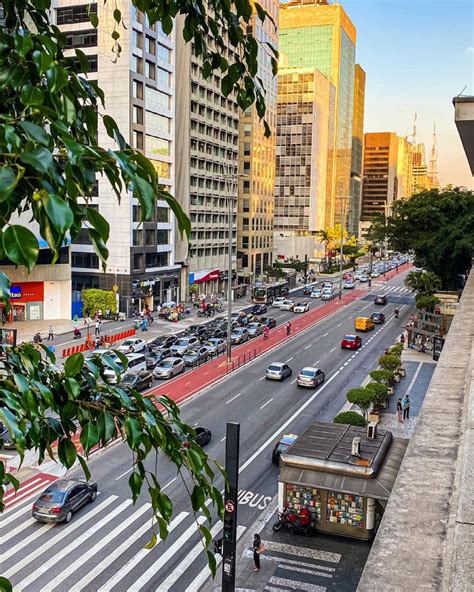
215 150
150 237
80 39
141 260
209 130
75 14
162 214
151 70
151 46
257 242
208 252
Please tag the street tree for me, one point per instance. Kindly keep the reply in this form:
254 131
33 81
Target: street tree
350 418
50 161
438 225
380 393
424 283
94 300
383 376
361 397
390 362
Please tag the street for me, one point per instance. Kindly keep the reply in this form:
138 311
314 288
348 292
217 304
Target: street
102 548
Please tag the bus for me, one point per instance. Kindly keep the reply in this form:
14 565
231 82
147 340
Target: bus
266 293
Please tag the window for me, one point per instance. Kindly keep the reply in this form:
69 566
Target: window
245 242
157 123
137 90
156 100
138 140
81 39
164 53
163 77
136 214
150 45
137 39
246 148
85 260
150 70
91 63
138 115
157 259
138 261
245 205
157 145
137 64
137 238
83 238
75 14
163 169
162 214
162 237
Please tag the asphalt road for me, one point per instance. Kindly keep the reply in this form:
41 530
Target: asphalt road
102 548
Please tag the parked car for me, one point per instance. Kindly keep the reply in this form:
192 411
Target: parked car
310 377
381 299
155 357
363 278
378 318
259 309
301 307
218 333
255 329
327 284
168 368
183 344
282 446
196 356
162 341
215 346
287 305
133 345
349 284
278 371
363 324
5 436
327 294
141 381
61 499
316 293
135 364
278 301
269 322
239 335
351 342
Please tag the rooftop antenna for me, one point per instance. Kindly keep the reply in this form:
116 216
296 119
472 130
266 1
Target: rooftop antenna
433 173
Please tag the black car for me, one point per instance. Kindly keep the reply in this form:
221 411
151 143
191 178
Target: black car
5 436
155 357
381 299
259 309
141 381
269 322
378 318
164 341
282 446
203 436
61 499
196 356
219 334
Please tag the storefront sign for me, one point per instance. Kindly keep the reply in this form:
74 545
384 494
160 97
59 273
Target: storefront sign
27 292
199 277
15 292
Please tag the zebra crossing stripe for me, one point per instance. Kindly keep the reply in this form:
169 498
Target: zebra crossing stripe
302 552
299 569
97 548
19 565
81 539
294 585
19 528
190 557
135 560
12 518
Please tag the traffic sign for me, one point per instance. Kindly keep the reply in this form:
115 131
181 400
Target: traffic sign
230 507
115 288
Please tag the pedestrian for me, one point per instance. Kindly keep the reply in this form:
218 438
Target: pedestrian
288 328
402 339
406 407
258 549
399 410
97 327
50 333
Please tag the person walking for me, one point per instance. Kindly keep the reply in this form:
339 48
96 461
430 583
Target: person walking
399 410
50 333
288 328
258 549
97 327
406 407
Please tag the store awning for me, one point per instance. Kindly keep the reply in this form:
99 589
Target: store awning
378 487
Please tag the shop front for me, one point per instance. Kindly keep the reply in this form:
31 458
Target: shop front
207 281
343 477
26 302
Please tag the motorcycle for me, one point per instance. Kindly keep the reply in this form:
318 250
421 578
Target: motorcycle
298 524
396 313
76 334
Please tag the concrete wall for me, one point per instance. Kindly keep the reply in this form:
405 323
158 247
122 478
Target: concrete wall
426 538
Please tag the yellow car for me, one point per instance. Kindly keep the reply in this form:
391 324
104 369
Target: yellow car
363 324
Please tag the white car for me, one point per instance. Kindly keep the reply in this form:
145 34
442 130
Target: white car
287 305
363 279
134 345
301 307
315 293
349 285
327 295
279 301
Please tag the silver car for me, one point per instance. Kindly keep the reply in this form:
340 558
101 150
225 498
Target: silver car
183 344
239 335
215 346
168 368
310 377
278 371
254 329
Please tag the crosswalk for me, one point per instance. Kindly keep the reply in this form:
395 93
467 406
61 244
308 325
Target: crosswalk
389 288
103 550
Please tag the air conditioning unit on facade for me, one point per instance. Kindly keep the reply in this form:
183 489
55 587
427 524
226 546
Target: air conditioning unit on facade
372 430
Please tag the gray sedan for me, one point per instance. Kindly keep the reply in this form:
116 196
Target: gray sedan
168 368
215 346
255 329
310 377
278 371
62 498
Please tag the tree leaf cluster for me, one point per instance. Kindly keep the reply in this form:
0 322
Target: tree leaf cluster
94 300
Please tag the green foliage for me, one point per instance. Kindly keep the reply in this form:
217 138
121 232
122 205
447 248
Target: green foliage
94 300
390 362
424 283
439 227
350 418
380 393
382 376
274 271
396 350
377 233
362 397
426 302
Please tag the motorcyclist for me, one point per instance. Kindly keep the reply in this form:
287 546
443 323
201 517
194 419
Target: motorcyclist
266 332
396 313
77 333
288 328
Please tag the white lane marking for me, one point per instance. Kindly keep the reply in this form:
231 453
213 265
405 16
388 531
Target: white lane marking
293 381
289 360
64 532
22 526
123 474
331 350
141 582
14 516
179 570
285 424
265 404
413 380
326 334
308 346
11 493
316 363
168 484
237 395
135 560
263 378
340 325
222 439
96 549
24 496
302 551
204 574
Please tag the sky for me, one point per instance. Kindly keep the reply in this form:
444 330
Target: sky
418 55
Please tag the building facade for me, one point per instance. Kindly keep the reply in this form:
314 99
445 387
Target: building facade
420 177
140 95
357 153
321 35
257 160
207 161
379 188
305 144
404 169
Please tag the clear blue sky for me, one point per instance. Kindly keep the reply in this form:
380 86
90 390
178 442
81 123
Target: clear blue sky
417 54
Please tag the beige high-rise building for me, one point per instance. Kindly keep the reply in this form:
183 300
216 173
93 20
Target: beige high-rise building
420 178
404 169
257 160
355 203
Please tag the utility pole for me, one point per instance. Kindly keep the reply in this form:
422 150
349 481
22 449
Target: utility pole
229 535
305 268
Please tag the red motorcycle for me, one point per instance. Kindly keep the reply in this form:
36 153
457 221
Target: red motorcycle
298 523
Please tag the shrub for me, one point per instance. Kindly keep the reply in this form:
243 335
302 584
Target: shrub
390 362
94 300
361 397
350 418
396 349
380 393
424 302
382 376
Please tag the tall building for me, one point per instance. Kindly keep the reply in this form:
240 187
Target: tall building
207 134
379 188
404 169
433 180
257 160
315 34
420 178
355 192
140 96
305 144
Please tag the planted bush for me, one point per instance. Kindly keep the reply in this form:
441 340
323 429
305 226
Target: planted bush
350 418
380 394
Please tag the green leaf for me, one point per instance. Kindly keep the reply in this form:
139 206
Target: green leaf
42 60
5 585
152 542
106 426
59 212
22 383
227 84
99 223
135 483
67 452
89 436
73 388
167 24
85 468
146 196
8 181
31 95
35 132
74 364
211 561
57 78
40 159
45 392
5 290
117 16
197 497
165 506
133 431
94 19
195 460
20 246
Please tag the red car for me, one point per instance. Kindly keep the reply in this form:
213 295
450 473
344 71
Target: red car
351 342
